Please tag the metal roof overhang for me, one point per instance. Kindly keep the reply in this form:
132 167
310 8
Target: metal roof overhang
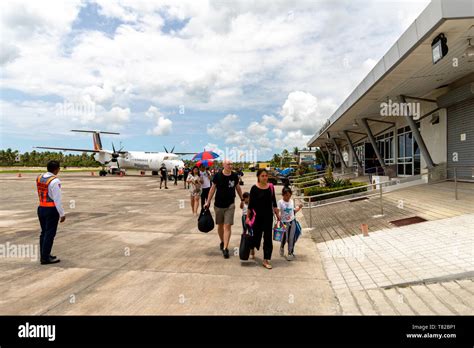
407 68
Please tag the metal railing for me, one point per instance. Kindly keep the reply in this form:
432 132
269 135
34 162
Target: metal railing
455 169
304 176
318 181
308 200
350 175
377 189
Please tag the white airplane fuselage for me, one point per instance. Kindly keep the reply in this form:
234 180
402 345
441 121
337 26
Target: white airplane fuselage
142 160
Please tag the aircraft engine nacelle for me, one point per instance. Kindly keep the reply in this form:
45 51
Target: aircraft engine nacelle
103 157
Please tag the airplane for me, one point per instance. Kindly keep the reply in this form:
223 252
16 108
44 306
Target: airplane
140 160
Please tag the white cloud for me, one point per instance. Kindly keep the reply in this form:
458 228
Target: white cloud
302 111
115 117
26 115
163 126
227 56
224 49
256 129
224 128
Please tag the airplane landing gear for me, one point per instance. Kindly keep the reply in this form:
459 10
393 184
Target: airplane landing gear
154 172
103 172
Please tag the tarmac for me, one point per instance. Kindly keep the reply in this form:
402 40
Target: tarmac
129 248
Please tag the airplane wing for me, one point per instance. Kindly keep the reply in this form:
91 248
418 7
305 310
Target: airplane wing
184 153
66 149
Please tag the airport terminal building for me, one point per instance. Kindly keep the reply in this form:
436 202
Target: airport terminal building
413 114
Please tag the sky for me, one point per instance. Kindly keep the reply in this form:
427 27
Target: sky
257 76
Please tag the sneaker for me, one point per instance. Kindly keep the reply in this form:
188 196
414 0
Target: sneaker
221 246
290 257
225 252
282 252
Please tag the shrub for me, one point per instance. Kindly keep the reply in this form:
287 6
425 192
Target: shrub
311 191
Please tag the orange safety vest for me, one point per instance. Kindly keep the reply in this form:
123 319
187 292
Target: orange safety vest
42 185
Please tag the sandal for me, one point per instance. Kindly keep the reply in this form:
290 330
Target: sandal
267 264
252 254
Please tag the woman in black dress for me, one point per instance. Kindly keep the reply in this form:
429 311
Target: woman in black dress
263 202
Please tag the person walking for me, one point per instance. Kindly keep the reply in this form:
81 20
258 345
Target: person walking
186 171
262 201
50 210
206 183
194 179
163 176
287 210
175 175
224 184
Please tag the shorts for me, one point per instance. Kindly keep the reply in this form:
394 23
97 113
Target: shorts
225 215
196 193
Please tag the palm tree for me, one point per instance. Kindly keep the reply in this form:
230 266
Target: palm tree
296 154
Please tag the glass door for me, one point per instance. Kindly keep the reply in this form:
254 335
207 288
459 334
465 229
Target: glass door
360 153
408 160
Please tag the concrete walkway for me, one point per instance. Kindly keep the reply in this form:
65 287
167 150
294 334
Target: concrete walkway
128 247
424 268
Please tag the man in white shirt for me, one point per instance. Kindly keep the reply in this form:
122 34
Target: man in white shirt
50 210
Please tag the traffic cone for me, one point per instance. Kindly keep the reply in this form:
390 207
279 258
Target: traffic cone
365 229
19 175
92 173
121 173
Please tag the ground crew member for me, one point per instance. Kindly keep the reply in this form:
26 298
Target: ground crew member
50 210
175 175
163 175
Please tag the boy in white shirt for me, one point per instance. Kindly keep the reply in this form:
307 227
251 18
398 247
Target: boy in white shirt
287 214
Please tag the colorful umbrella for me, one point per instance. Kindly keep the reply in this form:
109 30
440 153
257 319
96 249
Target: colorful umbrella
205 163
206 155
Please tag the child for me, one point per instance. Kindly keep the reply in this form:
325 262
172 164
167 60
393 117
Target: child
287 213
244 205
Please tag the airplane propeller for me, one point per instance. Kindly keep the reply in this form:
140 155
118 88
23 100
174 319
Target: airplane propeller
172 150
115 155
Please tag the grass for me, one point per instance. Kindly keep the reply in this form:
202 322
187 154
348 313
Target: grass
14 171
311 191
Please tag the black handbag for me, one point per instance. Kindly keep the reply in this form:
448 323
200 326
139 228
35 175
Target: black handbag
245 244
246 241
205 221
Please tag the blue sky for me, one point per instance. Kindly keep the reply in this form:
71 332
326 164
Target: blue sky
258 76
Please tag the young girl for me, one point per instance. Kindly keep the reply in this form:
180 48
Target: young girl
287 213
194 179
244 205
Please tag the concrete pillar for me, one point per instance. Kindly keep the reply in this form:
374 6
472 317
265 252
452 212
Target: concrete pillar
329 156
373 142
338 150
323 156
416 134
354 153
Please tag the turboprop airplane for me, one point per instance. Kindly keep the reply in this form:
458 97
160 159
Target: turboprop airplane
117 161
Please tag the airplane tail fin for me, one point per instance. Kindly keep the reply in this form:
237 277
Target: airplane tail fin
95 137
